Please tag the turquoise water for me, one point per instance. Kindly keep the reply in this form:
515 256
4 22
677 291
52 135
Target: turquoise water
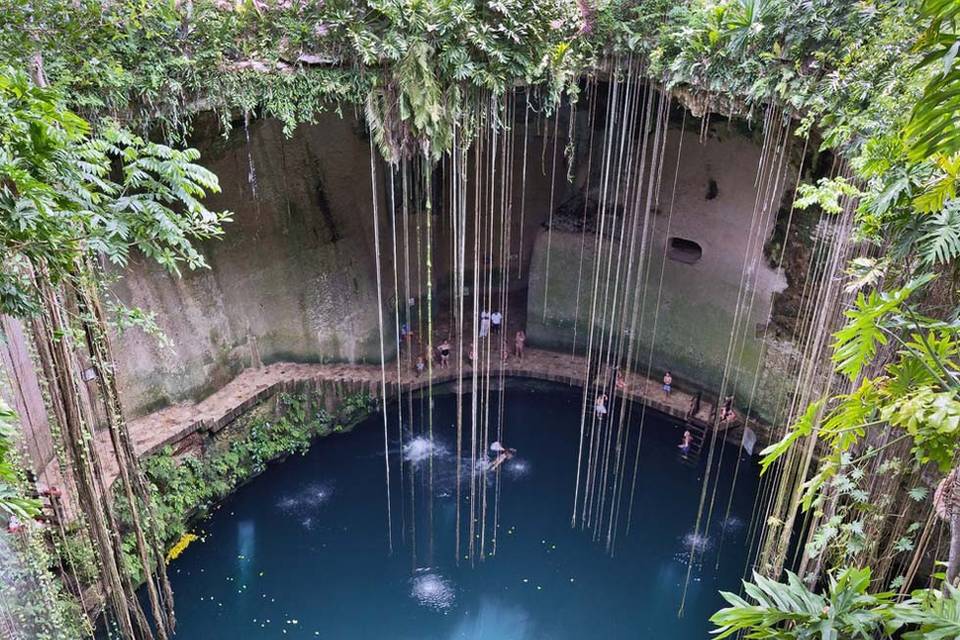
302 551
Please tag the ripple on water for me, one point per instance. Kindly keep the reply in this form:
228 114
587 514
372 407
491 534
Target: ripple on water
433 591
696 542
420 449
306 500
731 524
517 468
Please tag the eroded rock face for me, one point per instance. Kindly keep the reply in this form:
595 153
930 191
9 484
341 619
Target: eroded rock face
698 255
293 278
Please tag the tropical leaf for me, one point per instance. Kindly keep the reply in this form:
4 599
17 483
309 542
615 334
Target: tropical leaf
804 427
856 343
935 614
791 610
940 242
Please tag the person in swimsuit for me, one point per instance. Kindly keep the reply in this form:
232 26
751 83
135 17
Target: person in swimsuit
600 406
619 381
518 341
502 454
695 405
444 351
685 442
667 384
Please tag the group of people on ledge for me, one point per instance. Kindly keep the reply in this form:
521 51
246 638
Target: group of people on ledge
724 413
490 324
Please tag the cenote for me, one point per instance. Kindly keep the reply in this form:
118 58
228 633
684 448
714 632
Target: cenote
303 551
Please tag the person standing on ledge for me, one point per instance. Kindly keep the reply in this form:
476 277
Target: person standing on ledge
667 384
695 405
484 324
444 352
619 382
518 341
496 318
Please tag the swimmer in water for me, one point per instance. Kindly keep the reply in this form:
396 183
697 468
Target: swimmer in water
685 442
600 406
502 454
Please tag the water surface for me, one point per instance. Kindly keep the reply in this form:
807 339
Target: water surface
302 551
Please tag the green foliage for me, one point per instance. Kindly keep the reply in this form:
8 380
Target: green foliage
804 427
846 611
187 487
791 610
12 500
856 343
828 194
933 123
940 242
67 195
933 614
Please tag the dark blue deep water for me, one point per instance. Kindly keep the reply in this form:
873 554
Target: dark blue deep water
302 551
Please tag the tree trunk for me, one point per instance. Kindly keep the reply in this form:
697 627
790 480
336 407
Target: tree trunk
132 481
92 496
953 564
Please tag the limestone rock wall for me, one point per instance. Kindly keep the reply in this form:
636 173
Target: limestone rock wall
685 311
293 278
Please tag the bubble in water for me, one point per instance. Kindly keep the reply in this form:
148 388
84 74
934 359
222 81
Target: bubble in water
731 524
308 499
697 542
433 591
420 449
287 503
316 495
518 468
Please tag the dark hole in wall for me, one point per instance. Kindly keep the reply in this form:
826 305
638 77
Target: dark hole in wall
712 189
683 250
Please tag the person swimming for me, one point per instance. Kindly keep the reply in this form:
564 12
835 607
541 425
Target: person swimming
600 406
685 442
502 454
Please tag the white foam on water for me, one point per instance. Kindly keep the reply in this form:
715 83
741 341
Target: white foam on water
307 499
732 523
433 591
517 468
697 542
420 449
316 494
287 503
